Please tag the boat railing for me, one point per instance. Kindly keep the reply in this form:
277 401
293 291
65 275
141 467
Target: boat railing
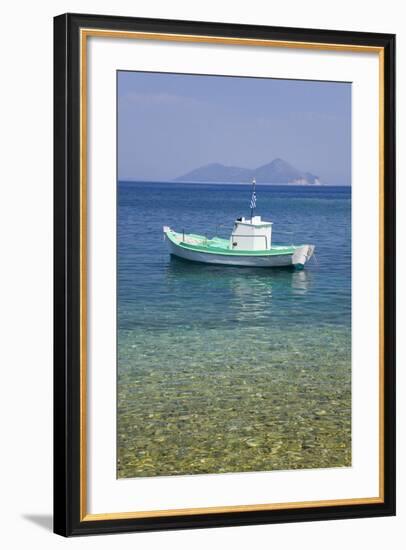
188 241
218 226
284 232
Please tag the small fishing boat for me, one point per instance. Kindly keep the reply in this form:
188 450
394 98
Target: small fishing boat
250 244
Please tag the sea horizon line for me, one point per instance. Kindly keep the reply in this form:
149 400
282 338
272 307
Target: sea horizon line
248 183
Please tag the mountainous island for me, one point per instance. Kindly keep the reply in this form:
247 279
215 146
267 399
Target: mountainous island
277 172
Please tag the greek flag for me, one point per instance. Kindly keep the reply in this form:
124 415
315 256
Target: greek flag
253 200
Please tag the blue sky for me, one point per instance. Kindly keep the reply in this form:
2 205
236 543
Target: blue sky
169 124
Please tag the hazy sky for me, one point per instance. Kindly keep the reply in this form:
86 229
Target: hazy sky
169 124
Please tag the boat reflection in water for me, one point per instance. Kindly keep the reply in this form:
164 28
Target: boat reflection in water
231 293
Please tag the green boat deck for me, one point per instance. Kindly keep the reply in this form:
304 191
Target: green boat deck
217 245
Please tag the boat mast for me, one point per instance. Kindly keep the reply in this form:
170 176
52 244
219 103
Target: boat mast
253 198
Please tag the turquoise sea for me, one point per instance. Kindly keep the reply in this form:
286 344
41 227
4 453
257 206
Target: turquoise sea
224 369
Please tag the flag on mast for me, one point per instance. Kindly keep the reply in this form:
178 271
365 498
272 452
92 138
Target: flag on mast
253 198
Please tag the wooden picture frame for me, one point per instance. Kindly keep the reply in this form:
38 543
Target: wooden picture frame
71 32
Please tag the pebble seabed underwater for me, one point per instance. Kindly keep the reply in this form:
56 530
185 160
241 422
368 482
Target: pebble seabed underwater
280 406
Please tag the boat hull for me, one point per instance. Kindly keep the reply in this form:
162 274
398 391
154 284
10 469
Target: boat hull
297 259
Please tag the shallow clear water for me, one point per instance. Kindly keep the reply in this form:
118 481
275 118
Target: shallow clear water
224 369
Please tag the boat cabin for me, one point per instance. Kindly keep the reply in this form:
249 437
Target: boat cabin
251 234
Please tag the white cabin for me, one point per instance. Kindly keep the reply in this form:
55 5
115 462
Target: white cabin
251 234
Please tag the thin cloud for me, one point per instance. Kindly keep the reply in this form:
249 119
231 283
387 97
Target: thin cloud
161 98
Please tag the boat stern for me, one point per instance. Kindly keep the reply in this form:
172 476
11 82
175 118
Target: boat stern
302 255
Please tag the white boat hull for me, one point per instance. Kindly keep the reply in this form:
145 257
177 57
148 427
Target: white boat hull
298 258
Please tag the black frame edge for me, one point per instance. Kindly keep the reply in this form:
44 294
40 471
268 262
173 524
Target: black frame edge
67 271
390 273
216 28
66 276
61 477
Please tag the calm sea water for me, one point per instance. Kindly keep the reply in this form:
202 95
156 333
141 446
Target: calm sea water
224 369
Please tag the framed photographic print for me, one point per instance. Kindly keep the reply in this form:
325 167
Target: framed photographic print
224 274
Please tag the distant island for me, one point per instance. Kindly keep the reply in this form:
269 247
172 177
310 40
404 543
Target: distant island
276 172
